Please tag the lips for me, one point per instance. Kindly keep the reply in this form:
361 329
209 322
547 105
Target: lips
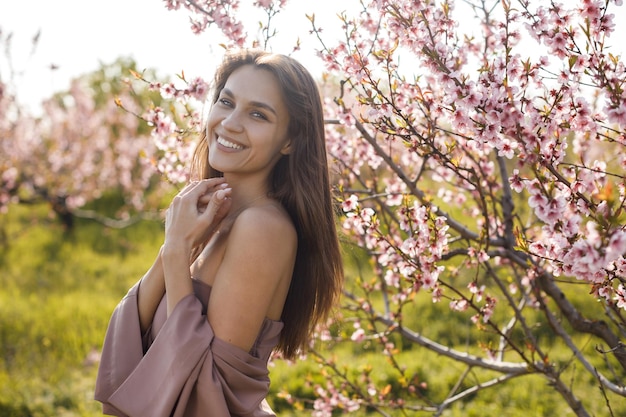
228 144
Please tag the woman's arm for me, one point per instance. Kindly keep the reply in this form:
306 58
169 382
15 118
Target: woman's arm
191 218
151 290
202 209
177 276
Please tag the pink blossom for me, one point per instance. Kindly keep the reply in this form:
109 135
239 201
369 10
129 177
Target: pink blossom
430 276
198 89
173 4
617 244
395 190
168 91
537 200
459 305
516 181
507 148
436 294
358 335
488 309
620 266
605 291
478 292
616 114
347 118
392 279
350 204
263 3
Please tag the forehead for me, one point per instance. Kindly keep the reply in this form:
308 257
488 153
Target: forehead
254 84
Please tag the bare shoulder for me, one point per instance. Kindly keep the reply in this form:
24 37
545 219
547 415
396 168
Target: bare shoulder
261 247
254 275
267 223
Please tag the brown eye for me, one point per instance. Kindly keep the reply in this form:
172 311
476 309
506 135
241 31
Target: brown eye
259 115
225 102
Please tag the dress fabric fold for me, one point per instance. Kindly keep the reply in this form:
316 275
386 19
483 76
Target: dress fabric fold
179 368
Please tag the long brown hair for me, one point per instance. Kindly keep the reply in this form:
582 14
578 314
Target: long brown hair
300 181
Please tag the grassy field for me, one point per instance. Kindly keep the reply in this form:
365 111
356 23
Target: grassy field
57 291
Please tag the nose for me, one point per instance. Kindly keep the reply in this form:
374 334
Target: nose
232 121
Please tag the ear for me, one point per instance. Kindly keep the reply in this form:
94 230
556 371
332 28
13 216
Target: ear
286 149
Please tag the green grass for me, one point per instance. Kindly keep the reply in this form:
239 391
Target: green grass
57 292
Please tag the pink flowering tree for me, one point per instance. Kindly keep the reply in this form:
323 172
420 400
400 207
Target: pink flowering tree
481 168
490 178
83 149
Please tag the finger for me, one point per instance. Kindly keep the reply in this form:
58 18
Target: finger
206 197
223 210
213 182
194 190
204 185
187 187
217 201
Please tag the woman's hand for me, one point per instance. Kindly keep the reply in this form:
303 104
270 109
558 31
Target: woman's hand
195 213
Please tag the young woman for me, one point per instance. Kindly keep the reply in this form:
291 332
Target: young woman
250 261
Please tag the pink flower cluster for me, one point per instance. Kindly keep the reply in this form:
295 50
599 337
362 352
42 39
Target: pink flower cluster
174 153
413 258
196 89
331 398
174 149
223 15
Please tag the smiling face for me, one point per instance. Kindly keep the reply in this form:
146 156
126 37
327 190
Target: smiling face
247 125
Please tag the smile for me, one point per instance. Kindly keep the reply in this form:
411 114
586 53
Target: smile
228 144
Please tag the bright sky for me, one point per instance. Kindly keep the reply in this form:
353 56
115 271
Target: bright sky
77 35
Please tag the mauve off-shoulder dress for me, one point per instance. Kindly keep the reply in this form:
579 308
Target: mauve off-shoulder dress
178 368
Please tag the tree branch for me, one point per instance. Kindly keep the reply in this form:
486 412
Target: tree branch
474 390
580 323
559 330
512 368
458 227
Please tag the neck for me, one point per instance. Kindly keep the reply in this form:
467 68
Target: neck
246 194
243 203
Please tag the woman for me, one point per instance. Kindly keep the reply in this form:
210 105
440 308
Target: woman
250 261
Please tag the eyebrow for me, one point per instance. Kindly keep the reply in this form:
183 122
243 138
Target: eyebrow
259 104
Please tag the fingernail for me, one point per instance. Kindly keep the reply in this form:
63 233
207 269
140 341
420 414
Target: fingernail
221 194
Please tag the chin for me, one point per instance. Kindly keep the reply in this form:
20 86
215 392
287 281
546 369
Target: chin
217 165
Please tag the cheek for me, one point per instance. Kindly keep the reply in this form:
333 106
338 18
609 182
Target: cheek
213 119
210 130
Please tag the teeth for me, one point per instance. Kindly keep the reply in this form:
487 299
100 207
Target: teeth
228 144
